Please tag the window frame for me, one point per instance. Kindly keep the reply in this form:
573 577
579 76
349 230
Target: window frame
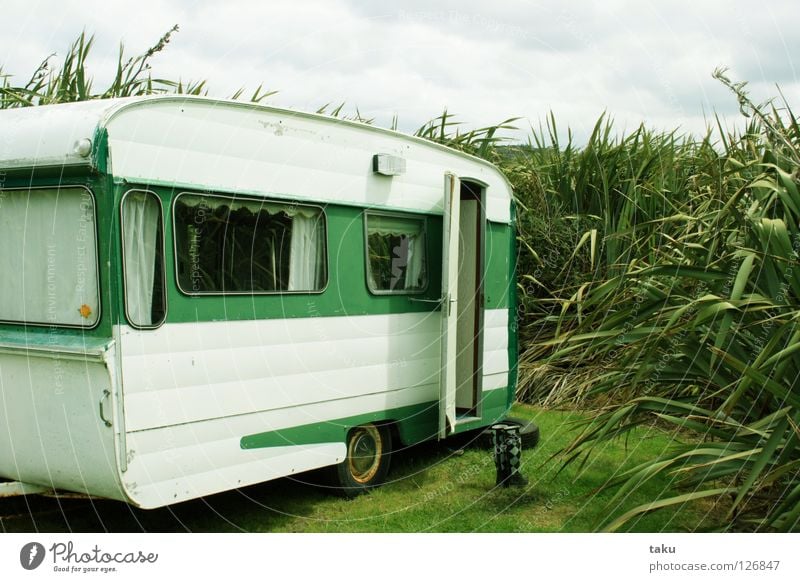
249 198
407 215
163 259
96 260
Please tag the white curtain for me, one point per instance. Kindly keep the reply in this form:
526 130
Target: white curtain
48 264
212 202
305 254
140 221
415 262
393 225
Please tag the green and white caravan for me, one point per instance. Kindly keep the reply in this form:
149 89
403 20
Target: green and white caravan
197 295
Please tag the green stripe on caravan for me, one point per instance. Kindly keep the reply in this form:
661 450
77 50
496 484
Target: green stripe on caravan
414 424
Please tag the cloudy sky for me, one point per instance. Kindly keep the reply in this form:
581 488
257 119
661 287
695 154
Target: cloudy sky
485 61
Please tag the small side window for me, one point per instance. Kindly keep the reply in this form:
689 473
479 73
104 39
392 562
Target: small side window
143 259
396 254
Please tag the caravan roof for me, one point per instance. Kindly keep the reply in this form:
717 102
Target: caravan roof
223 145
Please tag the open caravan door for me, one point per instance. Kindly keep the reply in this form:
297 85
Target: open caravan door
450 241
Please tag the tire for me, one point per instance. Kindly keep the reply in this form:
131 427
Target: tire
367 462
528 431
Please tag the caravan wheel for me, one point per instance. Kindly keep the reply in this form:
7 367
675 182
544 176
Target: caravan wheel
367 462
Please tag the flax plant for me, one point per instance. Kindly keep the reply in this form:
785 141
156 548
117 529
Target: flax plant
688 315
71 80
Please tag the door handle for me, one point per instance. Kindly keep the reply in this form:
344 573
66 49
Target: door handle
441 301
105 395
416 299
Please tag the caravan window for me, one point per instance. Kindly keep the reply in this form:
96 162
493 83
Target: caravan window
143 259
48 257
234 245
396 254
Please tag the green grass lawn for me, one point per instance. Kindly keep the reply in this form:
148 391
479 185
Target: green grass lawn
432 488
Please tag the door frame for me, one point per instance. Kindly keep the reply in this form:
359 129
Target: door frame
473 190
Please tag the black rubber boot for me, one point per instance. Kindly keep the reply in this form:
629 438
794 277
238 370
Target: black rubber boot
514 456
507 452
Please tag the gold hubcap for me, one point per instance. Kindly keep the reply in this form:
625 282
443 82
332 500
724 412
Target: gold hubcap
364 453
